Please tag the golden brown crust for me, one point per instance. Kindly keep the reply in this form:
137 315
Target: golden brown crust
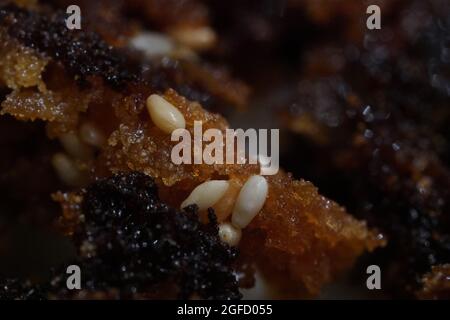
305 236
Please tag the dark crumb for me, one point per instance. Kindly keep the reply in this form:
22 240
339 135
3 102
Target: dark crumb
125 218
385 171
384 118
13 289
83 53
131 245
86 55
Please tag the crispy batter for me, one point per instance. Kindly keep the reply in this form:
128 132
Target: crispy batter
213 86
304 229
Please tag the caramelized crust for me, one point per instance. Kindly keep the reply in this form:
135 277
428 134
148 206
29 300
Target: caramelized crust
310 238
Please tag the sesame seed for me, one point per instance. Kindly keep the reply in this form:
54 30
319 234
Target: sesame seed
224 207
164 114
195 37
206 194
67 170
152 43
229 234
75 147
250 201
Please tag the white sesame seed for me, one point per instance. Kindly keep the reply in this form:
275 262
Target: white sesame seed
197 38
152 43
67 170
91 135
75 147
164 114
250 201
206 194
224 207
229 234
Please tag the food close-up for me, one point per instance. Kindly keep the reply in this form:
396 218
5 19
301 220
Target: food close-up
225 150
